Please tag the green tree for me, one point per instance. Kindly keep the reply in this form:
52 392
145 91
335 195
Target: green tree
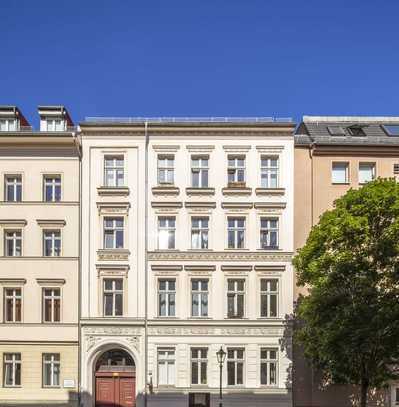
349 321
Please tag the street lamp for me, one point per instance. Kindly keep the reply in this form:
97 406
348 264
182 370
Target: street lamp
221 356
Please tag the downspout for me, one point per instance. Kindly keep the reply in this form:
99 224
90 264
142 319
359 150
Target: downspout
146 266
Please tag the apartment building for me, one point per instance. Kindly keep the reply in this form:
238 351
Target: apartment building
39 255
333 154
188 240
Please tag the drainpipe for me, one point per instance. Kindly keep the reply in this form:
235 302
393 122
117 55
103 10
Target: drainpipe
146 266
311 153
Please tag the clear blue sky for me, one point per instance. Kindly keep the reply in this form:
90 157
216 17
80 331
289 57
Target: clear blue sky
201 57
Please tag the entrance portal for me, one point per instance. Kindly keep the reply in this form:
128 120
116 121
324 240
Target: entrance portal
115 380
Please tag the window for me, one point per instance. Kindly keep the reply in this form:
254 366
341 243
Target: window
114 171
199 297
235 298
51 304
166 298
13 188
166 169
8 125
113 233
356 131
236 170
55 125
52 243
51 369
340 173
199 233
366 172
236 233
269 233
166 233
235 366
268 367
199 363
268 297
269 172
13 304
336 131
12 369
199 399
52 188
166 367
391 130
113 297
199 172
13 243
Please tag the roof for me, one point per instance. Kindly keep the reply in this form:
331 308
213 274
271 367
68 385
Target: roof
56 111
13 112
343 131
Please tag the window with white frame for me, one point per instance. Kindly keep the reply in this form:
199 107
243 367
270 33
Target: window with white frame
199 365
235 366
268 297
235 233
236 170
113 233
114 171
269 233
166 169
8 125
12 304
51 304
166 297
199 233
269 172
52 188
199 297
166 367
113 297
199 172
55 124
166 232
13 243
268 367
13 188
340 173
235 297
366 172
52 243
51 369
12 369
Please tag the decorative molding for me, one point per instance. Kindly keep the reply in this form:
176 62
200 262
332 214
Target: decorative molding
9 223
269 268
51 222
202 205
121 208
198 148
235 268
165 190
236 148
236 191
124 267
12 281
190 191
270 205
215 331
270 149
166 205
165 148
50 281
112 270
199 267
237 205
270 191
166 267
113 254
113 191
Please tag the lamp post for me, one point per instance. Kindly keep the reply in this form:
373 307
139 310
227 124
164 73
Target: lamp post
221 356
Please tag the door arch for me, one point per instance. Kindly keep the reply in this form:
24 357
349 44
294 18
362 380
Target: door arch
115 379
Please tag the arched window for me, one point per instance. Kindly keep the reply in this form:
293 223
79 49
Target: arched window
115 359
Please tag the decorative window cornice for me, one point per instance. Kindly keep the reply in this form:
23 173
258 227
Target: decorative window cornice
199 267
121 208
200 148
236 148
51 223
237 205
164 148
113 191
166 205
269 268
12 281
50 281
165 190
208 205
166 267
10 223
270 205
270 149
236 267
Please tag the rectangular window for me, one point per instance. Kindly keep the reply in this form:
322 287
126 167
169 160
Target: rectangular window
366 172
268 297
199 297
13 188
268 367
199 399
397 396
113 297
269 233
236 170
52 188
114 171
51 369
13 304
166 298
166 169
166 367
12 369
199 364
13 243
113 233
340 173
8 125
235 298
55 125
235 366
269 172
199 172
166 233
235 233
199 233
52 243
51 304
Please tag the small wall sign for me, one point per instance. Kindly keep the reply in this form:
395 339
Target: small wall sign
69 383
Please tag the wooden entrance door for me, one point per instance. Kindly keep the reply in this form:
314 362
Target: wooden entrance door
115 389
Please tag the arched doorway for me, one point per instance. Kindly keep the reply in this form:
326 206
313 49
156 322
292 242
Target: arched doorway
115 376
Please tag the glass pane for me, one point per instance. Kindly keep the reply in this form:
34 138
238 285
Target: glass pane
231 373
195 305
47 374
240 305
119 178
273 180
18 309
108 304
162 305
273 305
56 377
58 193
203 372
108 240
118 284
171 305
339 173
195 240
273 354
273 239
263 306
108 284
8 375
204 178
194 373
48 247
195 179
230 237
172 284
171 239
240 175
194 285
240 375
18 372
204 305
9 313
273 285
230 305
273 373
47 310
118 304
263 373
240 285
162 284
119 239
57 310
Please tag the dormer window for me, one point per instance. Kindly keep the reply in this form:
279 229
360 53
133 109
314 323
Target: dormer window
8 125
54 124
356 131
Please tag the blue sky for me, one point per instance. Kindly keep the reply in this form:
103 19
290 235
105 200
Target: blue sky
201 57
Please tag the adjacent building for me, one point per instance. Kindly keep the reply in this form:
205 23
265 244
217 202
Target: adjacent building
39 256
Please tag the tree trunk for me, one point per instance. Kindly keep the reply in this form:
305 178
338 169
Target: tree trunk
363 393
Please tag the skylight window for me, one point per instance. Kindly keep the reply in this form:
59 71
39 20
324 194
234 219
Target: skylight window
356 131
336 131
391 129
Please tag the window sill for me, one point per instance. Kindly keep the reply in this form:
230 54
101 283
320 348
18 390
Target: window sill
236 318
199 318
236 191
200 191
51 387
113 191
340 183
270 249
200 250
236 250
165 190
270 191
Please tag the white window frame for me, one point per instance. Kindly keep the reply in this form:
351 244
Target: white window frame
14 297
169 295
236 360
199 360
55 124
113 229
52 181
114 169
14 180
269 293
14 237
200 293
13 360
53 236
167 231
169 360
166 168
267 230
235 293
202 231
235 169
53 361
235 229
371 166
341 164
268 170
53 297
201 170
114 292
9 124
269 361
